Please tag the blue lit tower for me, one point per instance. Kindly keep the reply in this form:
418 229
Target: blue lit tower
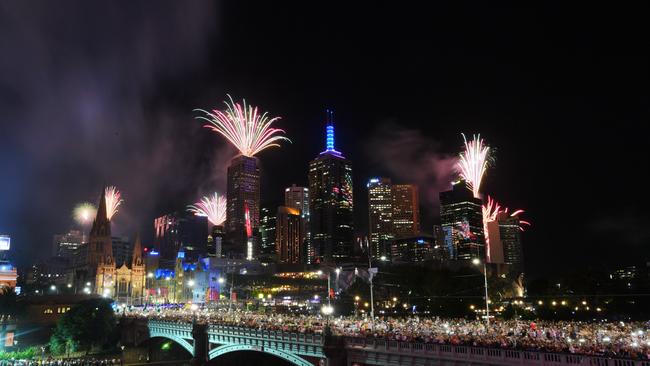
330 202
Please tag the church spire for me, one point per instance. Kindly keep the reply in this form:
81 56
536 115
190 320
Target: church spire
101 224
136 258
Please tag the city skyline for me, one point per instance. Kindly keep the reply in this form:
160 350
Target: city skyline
396 117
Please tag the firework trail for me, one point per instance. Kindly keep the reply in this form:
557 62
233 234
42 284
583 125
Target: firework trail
473 162
113 201
243 125
84 213
491 210
213 207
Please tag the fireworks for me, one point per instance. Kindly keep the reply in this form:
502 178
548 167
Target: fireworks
473 162
243 125
213 207
113 201
84 213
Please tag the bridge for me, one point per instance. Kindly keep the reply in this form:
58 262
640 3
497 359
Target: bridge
206 343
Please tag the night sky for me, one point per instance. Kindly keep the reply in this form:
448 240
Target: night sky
102 93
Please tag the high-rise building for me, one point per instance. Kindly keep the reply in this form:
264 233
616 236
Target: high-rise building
122 250
67 245
406 210
8 273
380 213
243 206
289 235
510 236
180 229
215 242
267 233
330 202
461 219
298 198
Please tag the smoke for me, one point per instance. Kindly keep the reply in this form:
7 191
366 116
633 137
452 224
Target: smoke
406 156
82 107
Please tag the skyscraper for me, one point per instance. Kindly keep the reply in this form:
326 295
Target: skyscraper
267 233
180 229
289 235
406 210
243 195
510 236
461 219
67 245
298 198
380 213
330 202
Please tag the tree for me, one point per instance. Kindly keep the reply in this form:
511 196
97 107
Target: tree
90 324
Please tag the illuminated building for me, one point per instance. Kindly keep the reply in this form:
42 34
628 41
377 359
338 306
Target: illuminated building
124 283
330 203
412 249
243 205
461 219
298 198
380 213
267 233
510 236
8 273
215 242
67 245
290 235
180 229
406 210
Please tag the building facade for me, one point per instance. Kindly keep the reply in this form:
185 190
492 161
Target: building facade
380 214
268 225
243 206
330 203
180 229
406 210
289 235
461 219
67 245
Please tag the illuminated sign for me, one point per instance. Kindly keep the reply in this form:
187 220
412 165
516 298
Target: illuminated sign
5 242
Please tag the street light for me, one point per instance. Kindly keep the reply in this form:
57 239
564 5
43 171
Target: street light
190 283
477 262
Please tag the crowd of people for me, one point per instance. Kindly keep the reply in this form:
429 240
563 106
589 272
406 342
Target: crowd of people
611 339
86 361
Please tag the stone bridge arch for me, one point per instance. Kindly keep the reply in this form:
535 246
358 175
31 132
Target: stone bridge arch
291 358
180 341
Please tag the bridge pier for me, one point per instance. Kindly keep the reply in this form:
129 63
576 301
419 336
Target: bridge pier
201 344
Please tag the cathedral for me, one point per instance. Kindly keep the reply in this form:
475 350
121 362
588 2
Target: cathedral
123 284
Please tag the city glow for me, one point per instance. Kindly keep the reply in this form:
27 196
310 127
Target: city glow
243 125
473 163
113 201
213 207
84 213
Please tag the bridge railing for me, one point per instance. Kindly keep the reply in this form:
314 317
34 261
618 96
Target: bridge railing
291 337
486 355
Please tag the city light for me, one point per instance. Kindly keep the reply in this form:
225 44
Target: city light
221 280
327 309
190 283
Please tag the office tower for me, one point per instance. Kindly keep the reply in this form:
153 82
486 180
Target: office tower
290 235
243 195
406 210
330 203
180 229
510 236
215 242
412 249
67 245
298 198
380 213
461 217
122 250
267 233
